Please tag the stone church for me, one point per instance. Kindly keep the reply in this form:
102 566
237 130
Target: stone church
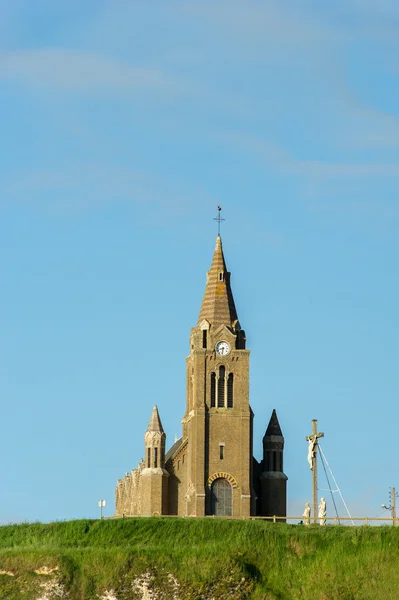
210 470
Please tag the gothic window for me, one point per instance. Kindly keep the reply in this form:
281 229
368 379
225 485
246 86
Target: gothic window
221 498
221 386
230 391
148 457
204 338
213 390
155 457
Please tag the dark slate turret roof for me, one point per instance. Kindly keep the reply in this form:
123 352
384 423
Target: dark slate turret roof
274 426
218 306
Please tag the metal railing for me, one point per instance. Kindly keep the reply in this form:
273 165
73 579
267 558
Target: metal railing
276 519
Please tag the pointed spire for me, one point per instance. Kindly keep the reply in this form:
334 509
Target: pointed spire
274 426
218 306
155 422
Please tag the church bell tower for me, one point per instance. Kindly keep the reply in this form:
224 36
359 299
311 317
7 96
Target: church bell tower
210 470
218 417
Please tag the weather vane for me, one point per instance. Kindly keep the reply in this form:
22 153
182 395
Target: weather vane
219 218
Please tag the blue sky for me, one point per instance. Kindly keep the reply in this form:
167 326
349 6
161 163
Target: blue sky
123 124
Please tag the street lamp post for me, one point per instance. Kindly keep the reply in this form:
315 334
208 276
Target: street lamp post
101 504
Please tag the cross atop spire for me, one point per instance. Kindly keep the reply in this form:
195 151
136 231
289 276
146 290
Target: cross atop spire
219 218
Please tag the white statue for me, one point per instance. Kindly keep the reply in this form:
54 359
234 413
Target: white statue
306 514
311 452
322 511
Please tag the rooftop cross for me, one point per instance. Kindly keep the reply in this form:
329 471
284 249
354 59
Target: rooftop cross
219 218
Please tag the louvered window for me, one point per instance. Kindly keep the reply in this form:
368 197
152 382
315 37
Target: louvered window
213 390
221 386
230 391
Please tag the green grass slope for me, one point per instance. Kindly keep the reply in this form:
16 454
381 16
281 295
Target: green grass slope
210 558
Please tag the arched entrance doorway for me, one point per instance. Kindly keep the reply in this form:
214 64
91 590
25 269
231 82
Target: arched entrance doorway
221 498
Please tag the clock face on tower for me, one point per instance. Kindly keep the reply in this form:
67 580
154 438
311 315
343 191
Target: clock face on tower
222 348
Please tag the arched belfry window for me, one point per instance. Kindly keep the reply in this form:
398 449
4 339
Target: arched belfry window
221 386
230 391
221 498
213 390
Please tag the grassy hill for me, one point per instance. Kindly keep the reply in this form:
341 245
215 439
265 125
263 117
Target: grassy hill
197 558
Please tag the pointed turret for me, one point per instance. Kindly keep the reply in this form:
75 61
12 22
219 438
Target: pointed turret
218 306
273 479
154 477
274 426
273 446
155 421
155 442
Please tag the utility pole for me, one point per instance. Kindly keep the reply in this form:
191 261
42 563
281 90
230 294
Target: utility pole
392 508
312 459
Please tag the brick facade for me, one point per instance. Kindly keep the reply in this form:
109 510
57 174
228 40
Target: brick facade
211 469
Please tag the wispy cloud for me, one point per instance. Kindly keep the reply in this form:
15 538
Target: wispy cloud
267 80
270 22
283 160
80 71
378 20
76 187
345 169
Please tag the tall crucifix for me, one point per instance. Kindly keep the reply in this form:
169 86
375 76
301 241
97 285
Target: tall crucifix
312 459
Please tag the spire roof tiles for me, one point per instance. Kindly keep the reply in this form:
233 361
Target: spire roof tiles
218 306
155 421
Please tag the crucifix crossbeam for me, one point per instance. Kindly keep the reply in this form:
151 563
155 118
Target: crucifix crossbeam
312 459
219 218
